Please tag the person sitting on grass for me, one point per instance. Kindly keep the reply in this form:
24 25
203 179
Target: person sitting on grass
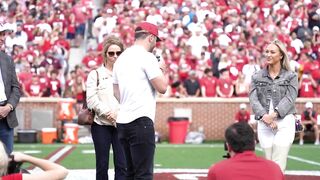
243 164
51 171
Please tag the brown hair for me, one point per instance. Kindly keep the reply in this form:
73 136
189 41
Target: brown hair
111 40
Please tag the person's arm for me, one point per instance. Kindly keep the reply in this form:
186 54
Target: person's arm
219 93
231 91
257 108
203 91
313 82
51 170
24 91
160 83
197 94
289 99
313 118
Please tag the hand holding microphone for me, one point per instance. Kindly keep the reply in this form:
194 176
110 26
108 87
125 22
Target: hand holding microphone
162 64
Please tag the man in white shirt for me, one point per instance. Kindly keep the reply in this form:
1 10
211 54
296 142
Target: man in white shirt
137 77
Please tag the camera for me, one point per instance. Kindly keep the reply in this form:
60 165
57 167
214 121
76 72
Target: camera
15 167
227 156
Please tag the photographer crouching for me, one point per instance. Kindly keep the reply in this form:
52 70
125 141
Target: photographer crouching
243 162
51 171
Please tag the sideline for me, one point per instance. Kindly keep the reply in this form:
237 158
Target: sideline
180 174
297 159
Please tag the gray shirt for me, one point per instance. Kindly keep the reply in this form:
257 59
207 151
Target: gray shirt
282 92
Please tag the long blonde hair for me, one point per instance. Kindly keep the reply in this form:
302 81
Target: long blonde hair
3 160
285 64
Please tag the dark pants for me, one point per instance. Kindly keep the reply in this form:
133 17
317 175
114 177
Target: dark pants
6 135
103 137
138 141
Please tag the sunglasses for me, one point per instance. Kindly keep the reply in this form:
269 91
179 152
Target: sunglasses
111 54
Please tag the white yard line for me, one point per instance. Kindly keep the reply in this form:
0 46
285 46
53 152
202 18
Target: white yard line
298 159
56 156
60 153
180 174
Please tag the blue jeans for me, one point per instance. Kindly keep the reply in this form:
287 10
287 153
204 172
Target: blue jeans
138 141
6 135
103 137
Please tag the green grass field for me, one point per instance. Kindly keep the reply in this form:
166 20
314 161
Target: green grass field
306 157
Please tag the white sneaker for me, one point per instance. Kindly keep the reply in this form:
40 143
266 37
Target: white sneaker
316 142
301 142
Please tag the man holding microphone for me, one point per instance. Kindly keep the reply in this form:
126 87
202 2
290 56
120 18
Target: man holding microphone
137 77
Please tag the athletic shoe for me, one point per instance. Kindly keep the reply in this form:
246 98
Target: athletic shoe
301 142
316 142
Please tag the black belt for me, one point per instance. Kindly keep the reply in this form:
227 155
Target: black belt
3 103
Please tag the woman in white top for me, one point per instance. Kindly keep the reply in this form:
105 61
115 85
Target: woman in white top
100 98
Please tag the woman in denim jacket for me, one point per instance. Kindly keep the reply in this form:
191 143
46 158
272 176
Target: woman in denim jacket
101 100
273 93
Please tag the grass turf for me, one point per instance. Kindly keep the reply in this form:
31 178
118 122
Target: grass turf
175 156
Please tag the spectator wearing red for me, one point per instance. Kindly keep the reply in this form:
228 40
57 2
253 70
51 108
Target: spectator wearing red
29 27
34 88
242 115
243 164
80 17
309 121
312 66
62 42
91 60
208 84
69 83
307 86
54 84
225 87
78 89
71 29
43 79
177 88
50 60
25 74
58 22
44 40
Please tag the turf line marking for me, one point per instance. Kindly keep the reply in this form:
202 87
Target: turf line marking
60 153
189 145
56 155
65 154
298 159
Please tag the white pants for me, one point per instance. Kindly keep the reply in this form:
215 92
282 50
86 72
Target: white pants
276 144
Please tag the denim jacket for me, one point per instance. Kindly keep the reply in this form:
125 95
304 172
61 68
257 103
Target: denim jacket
283 91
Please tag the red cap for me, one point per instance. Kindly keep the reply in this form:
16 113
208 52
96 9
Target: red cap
148 27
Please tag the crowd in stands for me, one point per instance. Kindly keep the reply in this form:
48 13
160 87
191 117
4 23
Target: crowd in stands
211 47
